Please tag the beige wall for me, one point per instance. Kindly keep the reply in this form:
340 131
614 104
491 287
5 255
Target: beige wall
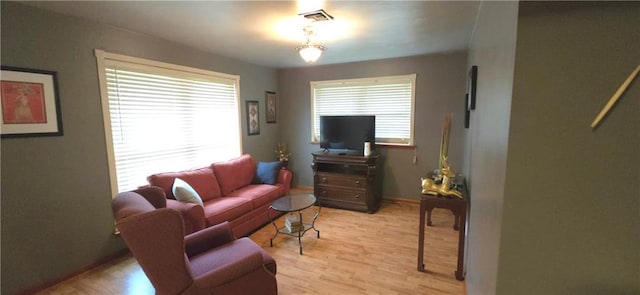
562 217
571 217
440 88
56 212
492 49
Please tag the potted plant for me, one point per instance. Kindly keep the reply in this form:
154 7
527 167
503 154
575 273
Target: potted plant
283 155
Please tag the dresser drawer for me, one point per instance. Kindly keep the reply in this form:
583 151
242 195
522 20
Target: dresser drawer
350 196
354 182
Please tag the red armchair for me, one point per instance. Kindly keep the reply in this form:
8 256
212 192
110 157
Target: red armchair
210 261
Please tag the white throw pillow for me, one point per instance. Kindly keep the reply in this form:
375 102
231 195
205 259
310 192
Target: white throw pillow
185 193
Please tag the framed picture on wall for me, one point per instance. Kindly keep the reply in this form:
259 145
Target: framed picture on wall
467 111
270 102
30 103
472 88
253 117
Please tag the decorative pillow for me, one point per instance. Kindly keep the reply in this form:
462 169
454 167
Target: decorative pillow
185 193
267 172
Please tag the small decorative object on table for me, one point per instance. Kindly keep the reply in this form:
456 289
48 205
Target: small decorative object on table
283 155
445 188
441 183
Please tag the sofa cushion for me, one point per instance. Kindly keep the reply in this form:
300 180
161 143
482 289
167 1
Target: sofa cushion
267 172
259 194
235 173
223 209
185 193
225 258
202 180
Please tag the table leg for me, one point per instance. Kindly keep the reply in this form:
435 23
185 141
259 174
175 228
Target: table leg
463 227
428 216
274 225
313 222
300 232
421 237
456 222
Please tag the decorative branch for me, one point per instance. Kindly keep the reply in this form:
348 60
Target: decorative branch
615 97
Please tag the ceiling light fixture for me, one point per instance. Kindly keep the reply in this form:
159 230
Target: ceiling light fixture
316 15
308 51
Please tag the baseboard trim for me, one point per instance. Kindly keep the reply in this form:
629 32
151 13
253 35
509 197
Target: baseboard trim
401 200
309 189
302 189
47 284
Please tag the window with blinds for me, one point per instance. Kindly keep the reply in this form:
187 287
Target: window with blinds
390 99
161 117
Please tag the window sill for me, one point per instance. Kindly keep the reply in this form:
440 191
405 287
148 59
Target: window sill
396 146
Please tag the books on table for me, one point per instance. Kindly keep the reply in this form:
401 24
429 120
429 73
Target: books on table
293 223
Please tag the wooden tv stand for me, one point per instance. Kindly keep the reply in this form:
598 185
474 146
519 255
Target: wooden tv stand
347 180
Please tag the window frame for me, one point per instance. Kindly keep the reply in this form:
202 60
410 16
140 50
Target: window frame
411 78
103 58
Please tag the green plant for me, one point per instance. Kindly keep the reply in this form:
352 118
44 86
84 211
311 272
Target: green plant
281 152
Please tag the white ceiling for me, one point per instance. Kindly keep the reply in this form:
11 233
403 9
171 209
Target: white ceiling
267 32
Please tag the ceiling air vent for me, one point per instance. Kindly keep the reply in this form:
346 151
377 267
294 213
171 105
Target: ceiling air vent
317 15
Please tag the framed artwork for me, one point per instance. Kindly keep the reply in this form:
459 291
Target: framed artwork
270 102
253 117
30 103
473 82
467 111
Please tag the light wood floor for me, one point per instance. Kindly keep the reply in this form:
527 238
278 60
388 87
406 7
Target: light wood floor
357 253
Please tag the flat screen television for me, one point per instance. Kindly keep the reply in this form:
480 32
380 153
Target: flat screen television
347 132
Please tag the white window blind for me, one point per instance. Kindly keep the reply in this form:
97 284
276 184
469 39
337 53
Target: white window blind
167 119
390 99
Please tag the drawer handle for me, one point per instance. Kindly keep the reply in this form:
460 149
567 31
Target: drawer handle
323 193
324 180
357 196
358 182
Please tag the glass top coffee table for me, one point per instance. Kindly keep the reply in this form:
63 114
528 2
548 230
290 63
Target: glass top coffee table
294 225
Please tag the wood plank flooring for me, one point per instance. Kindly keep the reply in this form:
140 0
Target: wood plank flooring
357 253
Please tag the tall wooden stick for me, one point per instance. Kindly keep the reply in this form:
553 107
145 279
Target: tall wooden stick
615 97
444 141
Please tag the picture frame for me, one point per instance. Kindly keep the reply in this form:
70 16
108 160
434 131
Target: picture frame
472 87
270 105
29 102
467 111
253 117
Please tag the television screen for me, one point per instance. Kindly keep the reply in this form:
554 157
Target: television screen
347 132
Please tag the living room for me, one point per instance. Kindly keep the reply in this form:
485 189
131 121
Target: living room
541 220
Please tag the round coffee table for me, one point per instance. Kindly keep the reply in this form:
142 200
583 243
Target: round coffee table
291 204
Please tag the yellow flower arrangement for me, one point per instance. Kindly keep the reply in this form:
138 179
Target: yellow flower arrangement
281 152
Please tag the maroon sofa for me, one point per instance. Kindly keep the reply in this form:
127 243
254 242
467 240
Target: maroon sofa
228 194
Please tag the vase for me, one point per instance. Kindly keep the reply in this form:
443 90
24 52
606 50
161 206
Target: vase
285 164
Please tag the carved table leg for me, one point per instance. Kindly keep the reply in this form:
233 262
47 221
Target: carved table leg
456 222
421 236
462 215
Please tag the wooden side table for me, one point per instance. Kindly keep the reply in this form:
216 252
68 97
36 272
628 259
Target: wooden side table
460 209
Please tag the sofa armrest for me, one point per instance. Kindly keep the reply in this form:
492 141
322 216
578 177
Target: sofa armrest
154 195
208 238
285 178
192 214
